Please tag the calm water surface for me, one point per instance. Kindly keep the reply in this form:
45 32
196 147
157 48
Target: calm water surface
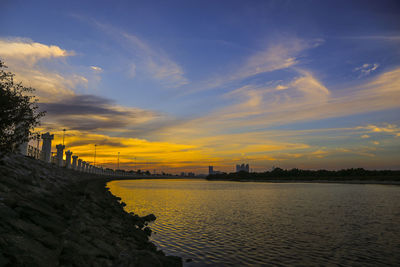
258 224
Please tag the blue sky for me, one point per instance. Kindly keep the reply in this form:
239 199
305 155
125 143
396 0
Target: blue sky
184 84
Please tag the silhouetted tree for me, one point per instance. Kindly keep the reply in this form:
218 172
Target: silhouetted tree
18 111
301 175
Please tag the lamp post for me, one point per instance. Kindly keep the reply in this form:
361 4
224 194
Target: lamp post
118 162
94 160
63 135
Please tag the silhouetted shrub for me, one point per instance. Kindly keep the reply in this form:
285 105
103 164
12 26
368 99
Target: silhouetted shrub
18 111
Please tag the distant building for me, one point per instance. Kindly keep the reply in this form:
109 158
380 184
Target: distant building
242 167
211 170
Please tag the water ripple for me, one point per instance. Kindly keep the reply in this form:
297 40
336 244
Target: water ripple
259 224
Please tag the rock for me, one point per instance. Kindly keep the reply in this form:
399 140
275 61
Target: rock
105 247
51 216
171 261
23 251
147 231
7 212
149 218
3 260
146 258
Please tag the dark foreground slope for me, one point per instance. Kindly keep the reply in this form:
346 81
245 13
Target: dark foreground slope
51 216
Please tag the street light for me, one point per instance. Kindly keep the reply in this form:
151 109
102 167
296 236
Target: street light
118 162
63 135
94 161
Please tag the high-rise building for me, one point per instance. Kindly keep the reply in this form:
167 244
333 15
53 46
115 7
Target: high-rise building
242 167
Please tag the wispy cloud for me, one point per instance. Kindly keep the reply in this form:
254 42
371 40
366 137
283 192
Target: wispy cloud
156 62
366 69
280 54
228 135
385 128
237 131
305 99
147 58
260 104
277 56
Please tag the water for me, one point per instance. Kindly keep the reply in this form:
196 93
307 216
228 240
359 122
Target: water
258 224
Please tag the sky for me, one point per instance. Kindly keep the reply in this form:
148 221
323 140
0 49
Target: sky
180 85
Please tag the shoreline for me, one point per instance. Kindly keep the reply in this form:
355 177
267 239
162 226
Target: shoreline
52 216
322 181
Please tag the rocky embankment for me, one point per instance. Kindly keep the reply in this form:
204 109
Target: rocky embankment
50 216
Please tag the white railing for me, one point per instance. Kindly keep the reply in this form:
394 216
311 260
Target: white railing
30 150
34 152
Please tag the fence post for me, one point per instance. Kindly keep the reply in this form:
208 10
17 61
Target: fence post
79 165
60 153
46 146
68 155
74 160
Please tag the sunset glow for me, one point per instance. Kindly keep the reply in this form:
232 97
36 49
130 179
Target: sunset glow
180 85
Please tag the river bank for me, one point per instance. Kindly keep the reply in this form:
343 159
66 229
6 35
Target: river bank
322 181
52 216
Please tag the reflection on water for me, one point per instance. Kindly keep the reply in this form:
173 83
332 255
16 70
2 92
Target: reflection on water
231 223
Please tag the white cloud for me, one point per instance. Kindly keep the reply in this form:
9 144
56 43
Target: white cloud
24 58
276 56
366 69
310 87
97 69
28 51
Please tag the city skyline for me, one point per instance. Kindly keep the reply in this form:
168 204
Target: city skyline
181 86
